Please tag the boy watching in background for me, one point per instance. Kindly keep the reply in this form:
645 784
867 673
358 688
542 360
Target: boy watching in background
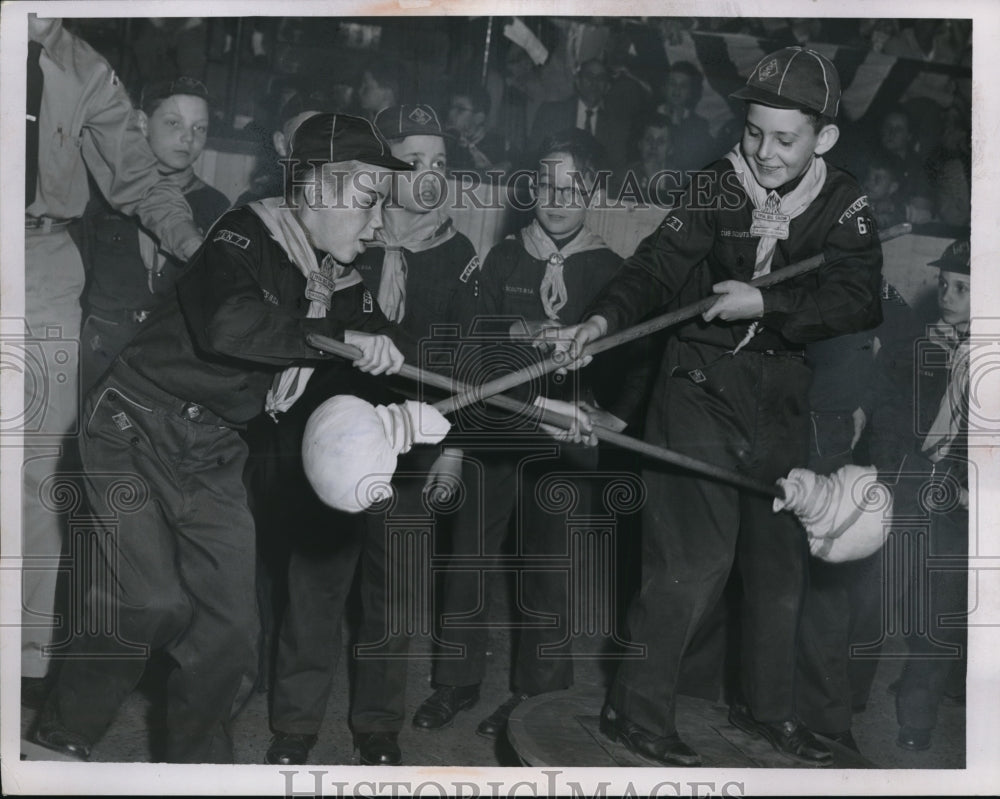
542 276
128 274
472 145
733 390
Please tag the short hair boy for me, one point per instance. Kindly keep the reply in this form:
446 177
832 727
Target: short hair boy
230 344
422 273
544 275
733 389
128 273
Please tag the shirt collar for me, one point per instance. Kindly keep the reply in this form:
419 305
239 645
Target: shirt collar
56 44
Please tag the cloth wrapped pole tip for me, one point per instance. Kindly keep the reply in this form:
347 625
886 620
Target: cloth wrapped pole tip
350 447
846 514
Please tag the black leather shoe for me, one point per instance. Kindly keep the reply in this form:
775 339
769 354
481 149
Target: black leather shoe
669 750
790 737
842 738
378 748
495 723
52 735
289 749
441 707
913 739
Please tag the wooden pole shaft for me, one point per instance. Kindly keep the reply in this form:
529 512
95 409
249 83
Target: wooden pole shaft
559 360
563 421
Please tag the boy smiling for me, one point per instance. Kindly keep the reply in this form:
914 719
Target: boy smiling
732 389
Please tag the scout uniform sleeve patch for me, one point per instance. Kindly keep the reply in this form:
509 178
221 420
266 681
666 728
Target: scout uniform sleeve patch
232 238
853 208
367 303
470 268
674 223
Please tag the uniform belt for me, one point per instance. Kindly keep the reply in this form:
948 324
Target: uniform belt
128 378
45 224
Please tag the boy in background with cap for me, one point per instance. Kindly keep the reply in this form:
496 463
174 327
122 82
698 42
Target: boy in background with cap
163 457
733 390
422 273
128 275
920 428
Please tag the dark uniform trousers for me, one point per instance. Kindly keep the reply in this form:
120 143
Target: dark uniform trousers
324 549
535 492
749 413
396 591
178 546
841 630
934 601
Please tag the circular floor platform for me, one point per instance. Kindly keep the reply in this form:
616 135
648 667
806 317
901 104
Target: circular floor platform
560 729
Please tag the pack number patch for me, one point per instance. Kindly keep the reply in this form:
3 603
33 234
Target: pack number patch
230 237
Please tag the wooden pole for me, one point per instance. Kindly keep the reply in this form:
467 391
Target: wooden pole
662 454
559 360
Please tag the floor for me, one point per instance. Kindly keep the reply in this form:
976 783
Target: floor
133 735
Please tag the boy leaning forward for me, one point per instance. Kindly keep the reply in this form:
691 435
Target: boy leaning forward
732 390
163 458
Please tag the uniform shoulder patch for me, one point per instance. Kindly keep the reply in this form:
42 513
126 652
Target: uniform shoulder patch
853 208
230 237
470 268
674 223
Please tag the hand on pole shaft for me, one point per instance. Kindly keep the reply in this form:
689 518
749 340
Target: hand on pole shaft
378 354
570 341
736 301
581 427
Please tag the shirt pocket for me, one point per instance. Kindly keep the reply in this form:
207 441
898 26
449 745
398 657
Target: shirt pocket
117 416
62 164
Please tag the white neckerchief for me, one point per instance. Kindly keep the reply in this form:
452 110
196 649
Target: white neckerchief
791 205
952 409
285 229
538 244
424 232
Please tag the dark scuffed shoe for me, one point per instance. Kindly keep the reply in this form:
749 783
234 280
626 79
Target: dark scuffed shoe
378 748
667 750
916 740
790 737
441 707
53 735
289 749
495 723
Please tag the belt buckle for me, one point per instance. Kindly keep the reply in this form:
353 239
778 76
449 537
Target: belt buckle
191 411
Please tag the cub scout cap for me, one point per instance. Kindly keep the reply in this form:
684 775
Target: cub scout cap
794 78
400 121
162 89
330 138
955 258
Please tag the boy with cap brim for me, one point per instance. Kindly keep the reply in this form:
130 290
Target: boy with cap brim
920 446
164 460
421 272
732 390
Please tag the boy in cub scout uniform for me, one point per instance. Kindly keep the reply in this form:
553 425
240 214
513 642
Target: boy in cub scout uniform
163 457
733 390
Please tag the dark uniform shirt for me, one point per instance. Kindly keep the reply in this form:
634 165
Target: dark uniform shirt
711 228
442 285
117 279
239 318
